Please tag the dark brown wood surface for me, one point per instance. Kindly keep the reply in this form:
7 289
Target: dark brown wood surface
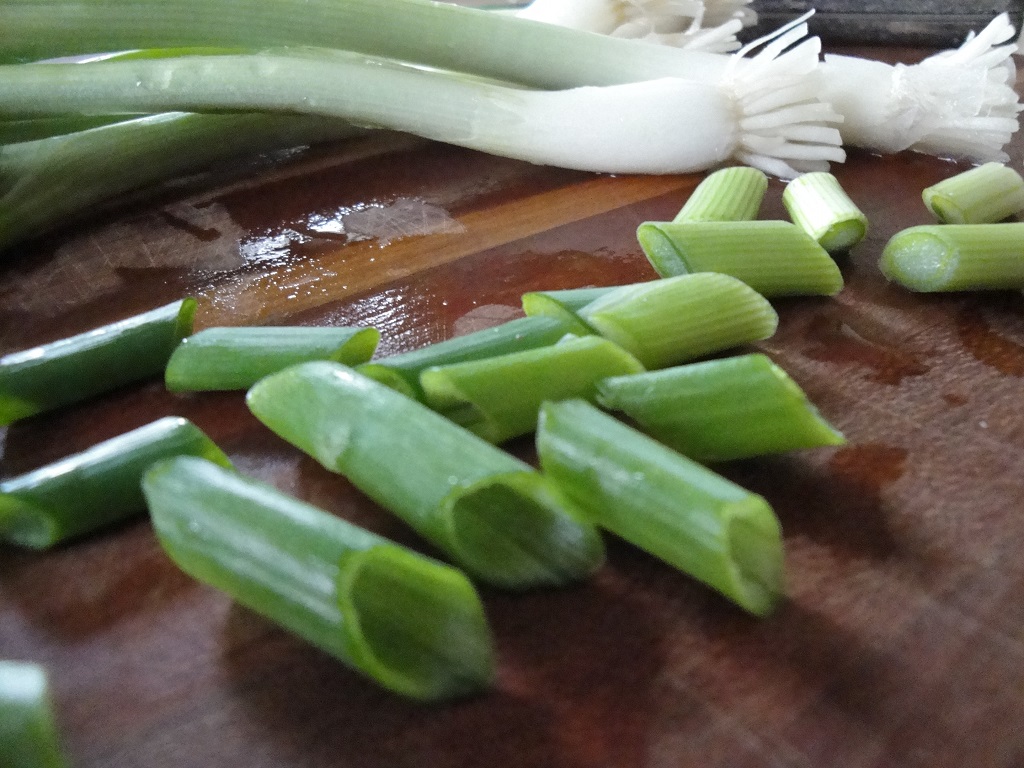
901 643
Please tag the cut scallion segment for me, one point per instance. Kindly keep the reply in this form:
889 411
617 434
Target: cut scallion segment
402 372
729 194
984 195
956 257
413 625
99 486
76 368
820 206
498 398
775 258
676 319
236 358
715 410
493 514
564 304
28 730
664 503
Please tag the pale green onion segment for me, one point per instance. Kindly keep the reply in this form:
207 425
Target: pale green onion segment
983 195
29 736
492 513
728 194
498 398
956 257
413 625
820 206
564 304
732 408
236 358
775 258
664 503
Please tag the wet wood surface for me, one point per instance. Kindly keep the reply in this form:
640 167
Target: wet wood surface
902 639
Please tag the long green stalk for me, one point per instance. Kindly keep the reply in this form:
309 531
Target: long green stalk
99 486
492 513
666 504
409 623
28 729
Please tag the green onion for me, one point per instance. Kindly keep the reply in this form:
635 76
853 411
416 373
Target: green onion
94 488
664 503
79 367
775 258
34 129
402 372
492 513
956 257
729 194
28 730
987 194
498 397
413 625
669 321
732 408
820 206
563 304
236 358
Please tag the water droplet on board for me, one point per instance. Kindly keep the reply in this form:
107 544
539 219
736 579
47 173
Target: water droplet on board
987 346
835 341
871 467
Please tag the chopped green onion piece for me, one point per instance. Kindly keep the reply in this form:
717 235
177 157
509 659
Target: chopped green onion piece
236 358
76 368
956 257
820 206
493 514
402 372
28 730
664 503
564 304
498 397
676 319
984 195
413 625
715 410
94 488
775 258
729 194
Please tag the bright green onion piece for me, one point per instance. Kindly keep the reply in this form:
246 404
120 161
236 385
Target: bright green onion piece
413 625
729 194
236 358
28 729
493 514
498 398
402 372
676 319
76 368
564 304
775 258
732 408
984 195
99 486
820 206
956 257
664 503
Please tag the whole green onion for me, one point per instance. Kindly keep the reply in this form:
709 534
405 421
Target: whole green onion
79 367
236 358
493 514
413 625
820 206
664 503
28 729
985 194
731 408
96 487
728 194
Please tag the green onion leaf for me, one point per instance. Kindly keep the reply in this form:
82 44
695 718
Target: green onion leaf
94 488
729 194
715 410
676 319
664 503
564 304
236 358
956 257
82 366
493 514
775 258
28 730
983 195
413 625
821 207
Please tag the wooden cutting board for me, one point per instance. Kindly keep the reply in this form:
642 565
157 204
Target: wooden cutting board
901 643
